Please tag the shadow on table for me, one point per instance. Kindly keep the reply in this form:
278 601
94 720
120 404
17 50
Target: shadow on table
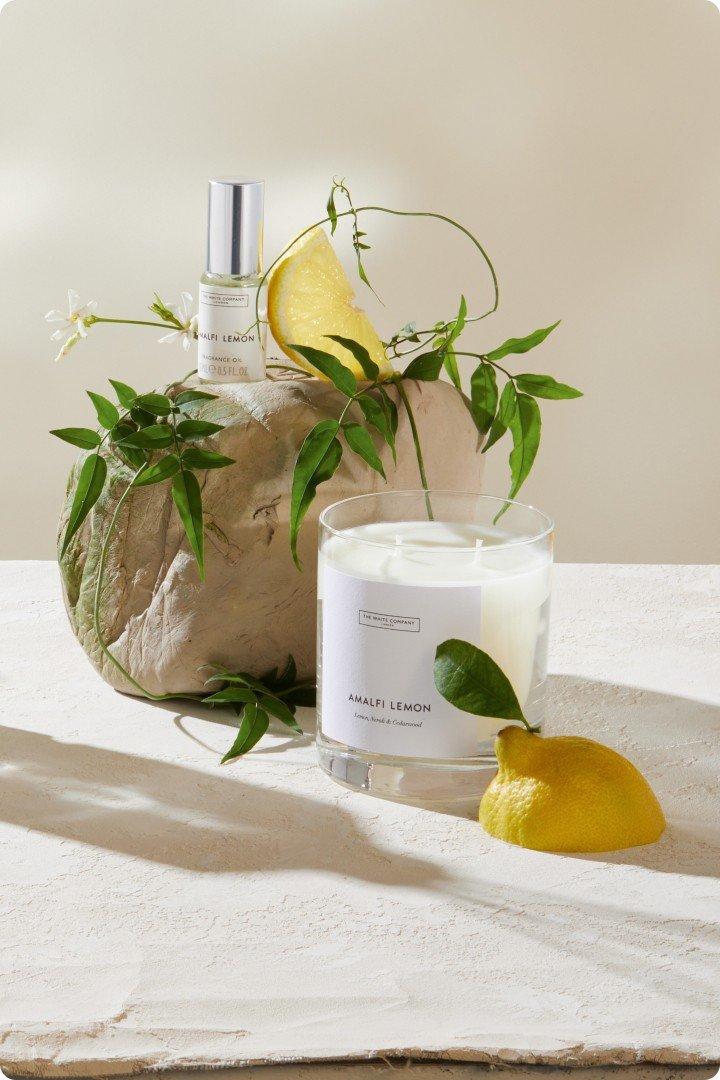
179 816
675 742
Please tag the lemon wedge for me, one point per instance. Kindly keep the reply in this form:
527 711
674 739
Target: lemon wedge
309 297
567 793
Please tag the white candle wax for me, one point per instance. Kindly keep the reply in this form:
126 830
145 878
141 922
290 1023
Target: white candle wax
512 576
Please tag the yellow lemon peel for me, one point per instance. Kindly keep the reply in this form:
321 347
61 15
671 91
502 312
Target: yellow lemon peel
567 793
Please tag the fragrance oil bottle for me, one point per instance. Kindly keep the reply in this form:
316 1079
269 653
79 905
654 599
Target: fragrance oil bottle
232 311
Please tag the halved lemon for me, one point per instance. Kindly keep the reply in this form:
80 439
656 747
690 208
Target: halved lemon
309 297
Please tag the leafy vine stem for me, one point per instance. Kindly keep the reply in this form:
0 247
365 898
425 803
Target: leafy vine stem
157 436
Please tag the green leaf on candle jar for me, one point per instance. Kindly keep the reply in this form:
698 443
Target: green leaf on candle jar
359 440
368 365
188 501
85 438
426 367
525 427
544 386
470 680
521 345
483 397
329 366
254 722
107 414
318 459
89 486
505 413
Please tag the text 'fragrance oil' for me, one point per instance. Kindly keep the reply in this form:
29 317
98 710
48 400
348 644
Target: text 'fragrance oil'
231 319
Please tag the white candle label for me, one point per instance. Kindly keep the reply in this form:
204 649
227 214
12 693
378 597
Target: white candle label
229 346
377 687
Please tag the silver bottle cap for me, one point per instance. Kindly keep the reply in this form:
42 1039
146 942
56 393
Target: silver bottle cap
235 226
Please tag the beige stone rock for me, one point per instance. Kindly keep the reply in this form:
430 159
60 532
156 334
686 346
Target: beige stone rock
254 607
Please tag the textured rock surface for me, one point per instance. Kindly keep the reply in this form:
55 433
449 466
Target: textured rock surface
254 607
158 911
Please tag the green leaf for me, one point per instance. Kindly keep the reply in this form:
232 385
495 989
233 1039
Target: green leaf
483 397
505 413
391 408
281 712
240 678
125 394
89 486
544 386
195 458
319 456
369 367
187 499
153 437
155 474
521 345
84 437
525 428
302 696
141 417
425 367
160 308
329 366
254 722
157 404
359 440
187 396
197 429
287 676
471 681
454 331
331 211
457 327
107 414
450 365
228 695
377 414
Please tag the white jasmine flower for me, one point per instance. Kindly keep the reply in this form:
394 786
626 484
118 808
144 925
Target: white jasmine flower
76 320
187 322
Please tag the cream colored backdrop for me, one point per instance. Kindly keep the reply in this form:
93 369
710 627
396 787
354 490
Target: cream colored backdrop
580 139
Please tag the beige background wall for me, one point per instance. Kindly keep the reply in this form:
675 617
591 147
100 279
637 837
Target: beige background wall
578 138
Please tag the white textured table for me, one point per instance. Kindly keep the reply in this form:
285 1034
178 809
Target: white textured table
160 911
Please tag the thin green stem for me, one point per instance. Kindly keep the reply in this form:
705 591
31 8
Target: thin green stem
92 319
395 213
480 356
418 451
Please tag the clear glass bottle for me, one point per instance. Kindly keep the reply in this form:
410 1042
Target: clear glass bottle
233 307
392 586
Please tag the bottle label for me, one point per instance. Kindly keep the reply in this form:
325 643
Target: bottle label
377 690
230 346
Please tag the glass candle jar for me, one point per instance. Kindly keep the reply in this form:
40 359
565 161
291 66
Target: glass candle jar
400 572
